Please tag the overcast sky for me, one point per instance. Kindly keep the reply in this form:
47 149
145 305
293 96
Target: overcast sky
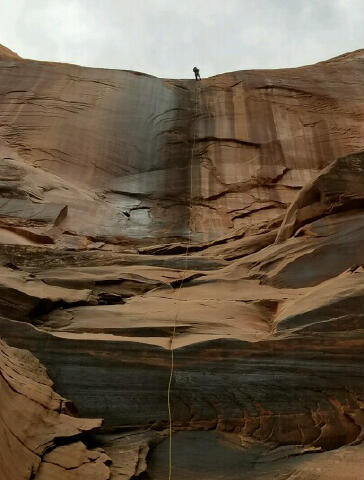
167 37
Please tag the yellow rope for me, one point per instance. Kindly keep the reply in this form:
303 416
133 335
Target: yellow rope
171 373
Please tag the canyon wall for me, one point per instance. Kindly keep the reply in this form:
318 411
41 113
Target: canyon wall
228 211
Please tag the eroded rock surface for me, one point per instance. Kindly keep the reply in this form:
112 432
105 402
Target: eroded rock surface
227 211
119 149
39 434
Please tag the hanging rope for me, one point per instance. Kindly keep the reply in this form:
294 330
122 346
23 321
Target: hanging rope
173 334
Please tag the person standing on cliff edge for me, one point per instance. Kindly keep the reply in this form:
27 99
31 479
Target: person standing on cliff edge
197 73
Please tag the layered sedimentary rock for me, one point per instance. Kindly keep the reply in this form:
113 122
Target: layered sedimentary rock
109 155
227 211
40 436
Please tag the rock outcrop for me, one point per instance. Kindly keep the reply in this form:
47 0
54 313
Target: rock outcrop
220 219
40 436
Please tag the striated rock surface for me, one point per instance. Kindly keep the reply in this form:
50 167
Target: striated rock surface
227 211
39 432
108 155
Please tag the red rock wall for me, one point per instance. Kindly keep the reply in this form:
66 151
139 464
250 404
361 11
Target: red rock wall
105 177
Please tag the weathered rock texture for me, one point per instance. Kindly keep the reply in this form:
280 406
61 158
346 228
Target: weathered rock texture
230 209
39 435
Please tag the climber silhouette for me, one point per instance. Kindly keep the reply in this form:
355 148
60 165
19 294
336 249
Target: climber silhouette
197 73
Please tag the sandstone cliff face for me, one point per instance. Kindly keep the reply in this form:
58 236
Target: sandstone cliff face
109 154
105 176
